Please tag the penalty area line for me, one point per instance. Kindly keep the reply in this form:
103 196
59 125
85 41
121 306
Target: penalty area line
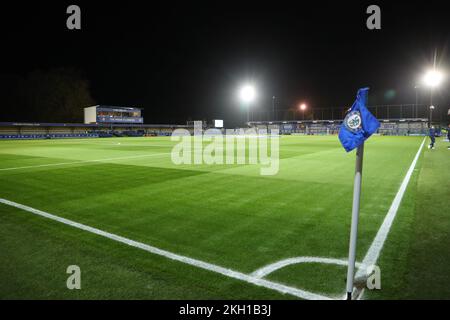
173 256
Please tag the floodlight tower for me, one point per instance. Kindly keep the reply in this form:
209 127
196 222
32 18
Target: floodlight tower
247 95
416 106
303 108
432 79
273 108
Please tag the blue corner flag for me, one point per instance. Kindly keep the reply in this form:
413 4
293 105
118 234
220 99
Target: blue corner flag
359 124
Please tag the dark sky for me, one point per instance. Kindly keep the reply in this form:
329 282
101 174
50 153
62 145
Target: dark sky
186 59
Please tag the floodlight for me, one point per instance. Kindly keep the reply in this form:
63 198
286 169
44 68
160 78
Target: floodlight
247 93
433 78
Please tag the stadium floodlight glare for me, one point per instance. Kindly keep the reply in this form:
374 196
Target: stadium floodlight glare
247 93
303 108
433 78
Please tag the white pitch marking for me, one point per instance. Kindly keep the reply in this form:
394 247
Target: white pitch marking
377 244
84 161
264 271
173 256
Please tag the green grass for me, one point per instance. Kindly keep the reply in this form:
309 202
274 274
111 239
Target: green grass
228 215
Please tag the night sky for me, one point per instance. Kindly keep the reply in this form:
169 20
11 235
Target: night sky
186 60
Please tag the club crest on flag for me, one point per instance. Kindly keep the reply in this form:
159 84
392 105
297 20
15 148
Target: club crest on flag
353 121
359 124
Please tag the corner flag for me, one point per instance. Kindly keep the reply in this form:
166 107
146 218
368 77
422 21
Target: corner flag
359 124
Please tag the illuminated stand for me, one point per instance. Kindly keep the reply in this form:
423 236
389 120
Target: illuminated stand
111 114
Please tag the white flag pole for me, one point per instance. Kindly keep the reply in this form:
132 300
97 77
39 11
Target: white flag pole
355 216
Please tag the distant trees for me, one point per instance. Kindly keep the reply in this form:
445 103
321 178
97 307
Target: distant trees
55 95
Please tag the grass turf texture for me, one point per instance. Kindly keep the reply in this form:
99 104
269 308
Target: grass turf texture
226 215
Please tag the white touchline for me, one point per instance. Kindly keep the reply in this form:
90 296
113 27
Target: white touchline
84 161
173 256
377 244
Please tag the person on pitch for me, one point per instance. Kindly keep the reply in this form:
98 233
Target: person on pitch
432 137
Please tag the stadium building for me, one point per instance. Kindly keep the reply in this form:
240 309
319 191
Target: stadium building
99 122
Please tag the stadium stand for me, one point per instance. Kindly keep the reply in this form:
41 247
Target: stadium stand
326 127
16 130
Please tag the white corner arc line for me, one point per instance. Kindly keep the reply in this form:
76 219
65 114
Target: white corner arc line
264 271
173 256
85 161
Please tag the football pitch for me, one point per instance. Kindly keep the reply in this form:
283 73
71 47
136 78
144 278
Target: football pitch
141 227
